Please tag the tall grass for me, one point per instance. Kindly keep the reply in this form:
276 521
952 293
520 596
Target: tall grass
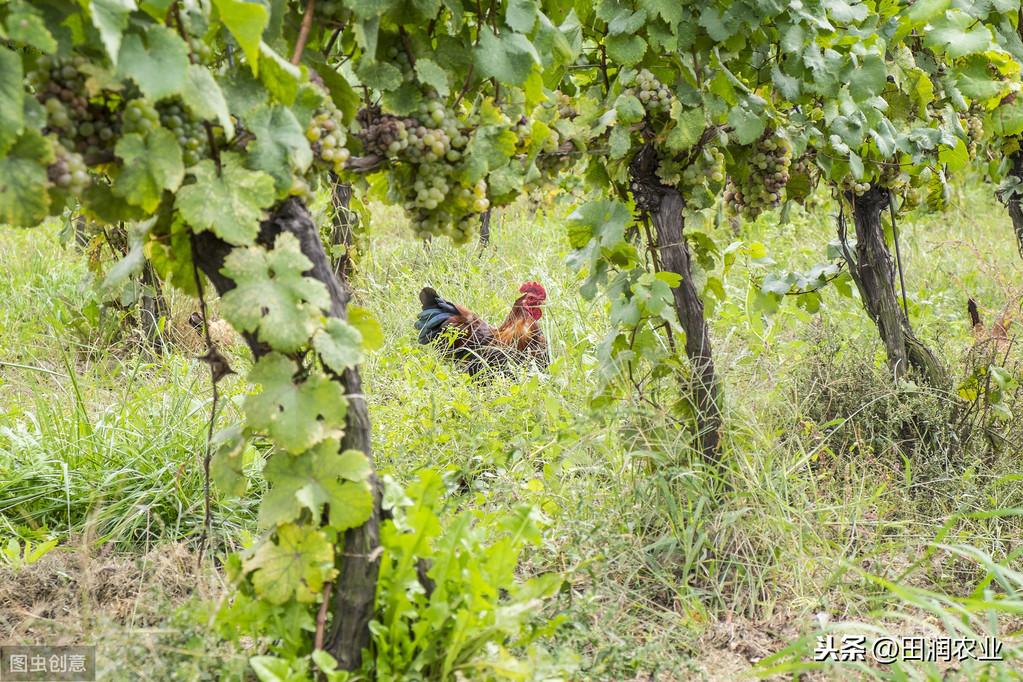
823 513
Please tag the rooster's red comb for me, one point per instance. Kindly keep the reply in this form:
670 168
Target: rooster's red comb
534 288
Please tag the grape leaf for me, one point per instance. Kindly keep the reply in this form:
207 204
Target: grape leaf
110 17
226 467
314 478
280 76
296 564
521 15
691 123
626 49
339 345
158 64
203 96
509 57
230 204
151 164
280 144
368 326
12 96
747 125
246 21
272 296
25 26
379 75
296 415
430 73
23 198
958 34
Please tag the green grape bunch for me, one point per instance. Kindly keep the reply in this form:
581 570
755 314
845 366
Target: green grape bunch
140 116
975 133
654 95
68 171
326 135
82 123
189 130
762 187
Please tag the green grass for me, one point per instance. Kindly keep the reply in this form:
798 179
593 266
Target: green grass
671 568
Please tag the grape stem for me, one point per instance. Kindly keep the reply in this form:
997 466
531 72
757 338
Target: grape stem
303 31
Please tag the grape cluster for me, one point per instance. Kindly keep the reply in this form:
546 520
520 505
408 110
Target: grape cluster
427 148
763 187
382 135
81 124
654 95
326 135
140 116
68 172
564 104
190 131
974 131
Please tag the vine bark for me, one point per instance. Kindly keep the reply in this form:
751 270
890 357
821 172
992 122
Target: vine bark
358 557
665 205
873 271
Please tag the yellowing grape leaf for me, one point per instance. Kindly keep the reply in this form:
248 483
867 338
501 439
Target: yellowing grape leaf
230 204
297 415
296 564
272 296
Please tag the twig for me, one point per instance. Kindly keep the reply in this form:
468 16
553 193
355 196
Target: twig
303 31
898 255
207 516
321 616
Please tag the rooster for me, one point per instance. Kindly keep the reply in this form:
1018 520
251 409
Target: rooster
466 337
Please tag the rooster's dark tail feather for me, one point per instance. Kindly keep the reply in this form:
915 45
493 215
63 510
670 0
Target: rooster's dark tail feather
436 311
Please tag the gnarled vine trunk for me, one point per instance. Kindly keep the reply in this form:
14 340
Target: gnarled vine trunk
485 228
665 206
358 559
1015 202
153 307
343 234
873 270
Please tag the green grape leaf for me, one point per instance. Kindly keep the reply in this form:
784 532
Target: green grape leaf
490 147
379 75
280 144
230 204
430 73
368 326
958 34
339 345
747 125
99 203
629 109
272 296
24 200
508 57
280 76
110 17
1007 120
152 164
626 49
204 97
25 26
296 564
227 465
689 128
296 415
158 64
246 21
314 478
619 142
868 79
354 466
171 256
521 15
12 97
